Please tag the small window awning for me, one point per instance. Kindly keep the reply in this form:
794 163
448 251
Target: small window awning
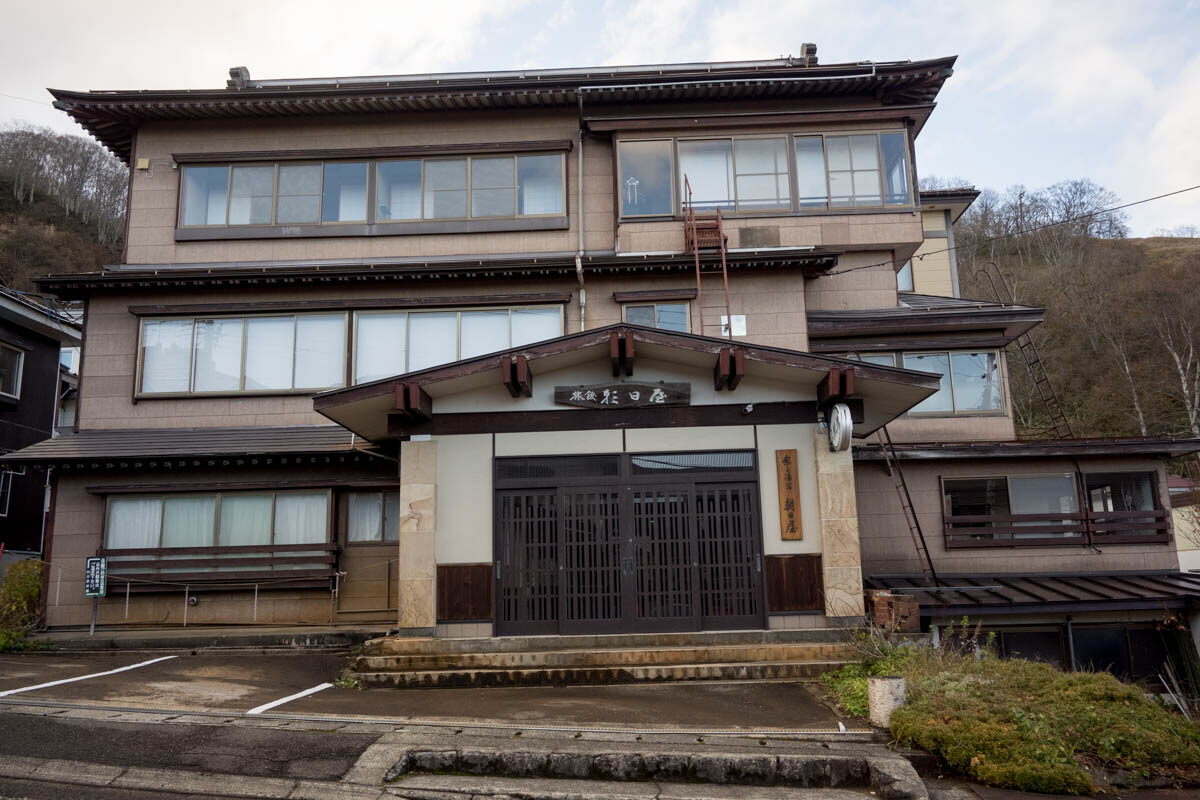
419 402
982 595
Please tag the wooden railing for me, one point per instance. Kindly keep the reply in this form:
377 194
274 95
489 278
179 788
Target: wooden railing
160 568
1082 527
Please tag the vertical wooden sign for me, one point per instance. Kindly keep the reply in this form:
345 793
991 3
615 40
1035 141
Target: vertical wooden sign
790 526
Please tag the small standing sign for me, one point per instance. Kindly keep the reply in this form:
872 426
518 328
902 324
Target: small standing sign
95 577
790 525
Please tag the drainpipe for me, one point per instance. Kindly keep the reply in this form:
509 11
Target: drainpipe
45 513
579 225
1071 645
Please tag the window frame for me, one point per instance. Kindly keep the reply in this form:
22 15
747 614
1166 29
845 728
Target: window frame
789 160
20 372
793 208
216 523
954 411
6 487
241 391
655 304
344 501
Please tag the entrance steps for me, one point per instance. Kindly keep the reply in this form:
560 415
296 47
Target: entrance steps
625 658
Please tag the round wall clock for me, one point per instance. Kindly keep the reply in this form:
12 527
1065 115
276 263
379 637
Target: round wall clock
841 427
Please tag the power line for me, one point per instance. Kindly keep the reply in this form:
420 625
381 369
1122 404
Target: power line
1019 232
26 99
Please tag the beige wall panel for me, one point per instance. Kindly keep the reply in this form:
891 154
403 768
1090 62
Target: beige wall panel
788 437
934 221
887 545
998 427
546 443
871 284
646 440
932 269
464 496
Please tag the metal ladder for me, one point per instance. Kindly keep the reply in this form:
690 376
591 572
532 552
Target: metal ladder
1032 359
892 464
705 234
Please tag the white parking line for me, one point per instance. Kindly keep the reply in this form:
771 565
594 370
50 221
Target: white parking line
83 677
289 698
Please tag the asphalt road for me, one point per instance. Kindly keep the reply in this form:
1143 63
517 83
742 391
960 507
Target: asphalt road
39 790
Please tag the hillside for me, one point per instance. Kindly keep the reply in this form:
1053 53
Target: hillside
40 237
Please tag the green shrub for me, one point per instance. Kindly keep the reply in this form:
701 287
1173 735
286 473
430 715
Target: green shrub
1022 724
20 604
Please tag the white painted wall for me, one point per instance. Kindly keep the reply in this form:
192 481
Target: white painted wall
464 499
788 437
652 440
549 443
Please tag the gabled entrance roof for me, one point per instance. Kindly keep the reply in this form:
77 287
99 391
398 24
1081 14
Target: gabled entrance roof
409 404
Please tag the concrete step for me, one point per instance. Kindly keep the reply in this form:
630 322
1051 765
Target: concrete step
399 645
607 657
630 673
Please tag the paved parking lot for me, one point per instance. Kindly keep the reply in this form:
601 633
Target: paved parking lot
298 685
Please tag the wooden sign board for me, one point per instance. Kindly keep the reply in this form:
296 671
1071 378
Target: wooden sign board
619 394
787 474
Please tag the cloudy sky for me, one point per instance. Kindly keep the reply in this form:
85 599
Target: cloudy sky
1043 91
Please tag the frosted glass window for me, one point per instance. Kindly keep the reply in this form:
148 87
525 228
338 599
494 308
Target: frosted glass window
188 521
320 351
895 168
762 173
364 513
166 355
666 316
432 339
217 355
647 180
344 193
251 195
939 363
205 190
535 325
133 522
540 184
904 278
640 315
299 194
708 167
976 381
301 518
269 348
483 332
380 346
853 170
811 191
446 189
245 520
492 187
399 190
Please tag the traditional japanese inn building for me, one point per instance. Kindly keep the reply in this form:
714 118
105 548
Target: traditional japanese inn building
577 351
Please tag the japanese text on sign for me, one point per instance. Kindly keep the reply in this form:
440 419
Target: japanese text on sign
624 395
790 525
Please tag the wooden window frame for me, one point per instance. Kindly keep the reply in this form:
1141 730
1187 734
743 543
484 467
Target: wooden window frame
687 310
20 373
383 492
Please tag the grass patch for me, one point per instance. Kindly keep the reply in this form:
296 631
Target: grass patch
1021 724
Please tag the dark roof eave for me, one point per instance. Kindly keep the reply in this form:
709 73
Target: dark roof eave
830 325
1057 448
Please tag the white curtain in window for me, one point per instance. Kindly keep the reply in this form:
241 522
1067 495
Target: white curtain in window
166 355
391 516
269 348
483 332
320 351
535 325
188 521
133 522
708 167
432 339
245 520
379 347
364 513
217 355
301 518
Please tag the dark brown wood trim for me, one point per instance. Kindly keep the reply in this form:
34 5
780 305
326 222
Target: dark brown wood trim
278 485
83 350
788 412
233 549
153 583
158 563
653 295
464 592
317 231
794 583
991 341
405 151
730 119
271 576
331 304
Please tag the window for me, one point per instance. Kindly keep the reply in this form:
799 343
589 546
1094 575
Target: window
970 382
736 174
1121 491
373 517
667 316
646 178
882 359
6 482
12 361
243 354
391 343
904 278
471 187
217 520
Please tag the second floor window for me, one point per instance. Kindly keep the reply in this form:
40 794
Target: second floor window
11 362
667 316
970 382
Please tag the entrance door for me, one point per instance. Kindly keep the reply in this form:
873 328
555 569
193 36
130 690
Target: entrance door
669 542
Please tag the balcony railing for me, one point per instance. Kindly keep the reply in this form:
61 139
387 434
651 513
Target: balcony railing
156 569
1082 527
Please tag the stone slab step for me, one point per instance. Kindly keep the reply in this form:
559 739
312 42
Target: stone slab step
559 676
461 787
401 645
636 656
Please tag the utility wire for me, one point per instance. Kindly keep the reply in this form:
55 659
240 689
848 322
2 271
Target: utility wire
1021 232
26 99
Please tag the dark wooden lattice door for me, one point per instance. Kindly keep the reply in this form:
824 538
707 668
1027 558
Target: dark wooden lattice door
730 561
591 560
661 559
527 573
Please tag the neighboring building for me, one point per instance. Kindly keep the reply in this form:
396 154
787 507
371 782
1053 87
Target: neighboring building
543 425
32 338
1185 520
